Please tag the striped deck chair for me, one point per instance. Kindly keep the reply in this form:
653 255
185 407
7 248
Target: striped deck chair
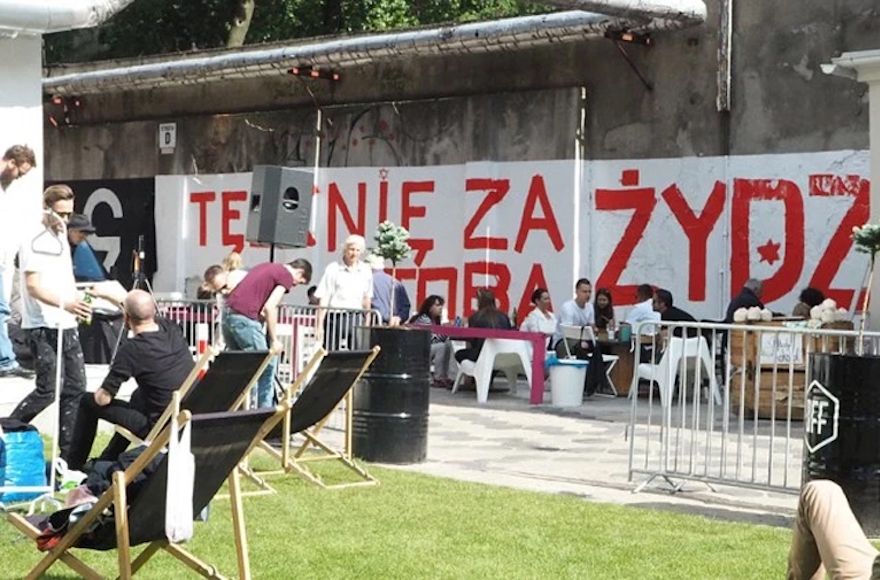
219 442
330 378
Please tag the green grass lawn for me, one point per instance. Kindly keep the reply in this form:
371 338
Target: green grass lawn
417 526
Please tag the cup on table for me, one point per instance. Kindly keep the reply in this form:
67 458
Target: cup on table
611 335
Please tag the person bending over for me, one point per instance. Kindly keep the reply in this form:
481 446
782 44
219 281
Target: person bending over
827 538
157 356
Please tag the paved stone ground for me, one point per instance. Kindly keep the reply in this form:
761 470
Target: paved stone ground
582 451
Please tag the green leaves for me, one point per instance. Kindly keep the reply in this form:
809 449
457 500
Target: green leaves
392 242
160 26
867 239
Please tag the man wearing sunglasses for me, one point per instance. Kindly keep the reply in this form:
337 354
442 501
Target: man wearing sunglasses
16 162
51 304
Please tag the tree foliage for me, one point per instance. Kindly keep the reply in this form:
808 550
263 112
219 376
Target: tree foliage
149 27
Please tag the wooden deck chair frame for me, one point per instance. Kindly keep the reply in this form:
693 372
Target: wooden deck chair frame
116 495
296 462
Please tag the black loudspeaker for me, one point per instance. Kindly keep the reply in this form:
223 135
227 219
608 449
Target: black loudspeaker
280 206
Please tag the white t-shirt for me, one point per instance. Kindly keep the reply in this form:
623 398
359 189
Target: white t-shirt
642 311
344 286
536 321
47 254
573 315
19 213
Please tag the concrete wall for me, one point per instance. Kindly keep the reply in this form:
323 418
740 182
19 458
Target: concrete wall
509 105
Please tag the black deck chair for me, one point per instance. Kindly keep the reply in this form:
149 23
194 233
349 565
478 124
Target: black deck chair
219 442
223 387
327 387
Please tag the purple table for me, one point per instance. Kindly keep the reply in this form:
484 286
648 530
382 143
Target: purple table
539 345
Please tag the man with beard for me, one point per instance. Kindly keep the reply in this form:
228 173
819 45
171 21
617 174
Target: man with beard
17 161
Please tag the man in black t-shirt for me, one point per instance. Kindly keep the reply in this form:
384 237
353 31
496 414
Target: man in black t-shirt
157 356
663 304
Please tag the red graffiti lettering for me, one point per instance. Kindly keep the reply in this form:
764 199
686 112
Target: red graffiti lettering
840 243
744 192
383 201
697 230
228 215
409 211
536 280
529 222
501 288
642 201
448 275
336 203
203 198
497 189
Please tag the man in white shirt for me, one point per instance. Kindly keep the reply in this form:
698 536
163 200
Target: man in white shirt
52 303
644 309
345 285
576 312
17 161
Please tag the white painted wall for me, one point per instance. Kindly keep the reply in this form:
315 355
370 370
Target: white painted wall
21 103
696 226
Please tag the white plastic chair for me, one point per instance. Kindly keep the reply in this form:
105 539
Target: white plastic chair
505 354
586 334
664 373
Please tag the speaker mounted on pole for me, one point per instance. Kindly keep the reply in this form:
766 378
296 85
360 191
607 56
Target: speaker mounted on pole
280 206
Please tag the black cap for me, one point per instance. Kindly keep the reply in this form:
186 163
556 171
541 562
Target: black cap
81 223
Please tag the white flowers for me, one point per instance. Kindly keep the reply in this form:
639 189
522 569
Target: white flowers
393 242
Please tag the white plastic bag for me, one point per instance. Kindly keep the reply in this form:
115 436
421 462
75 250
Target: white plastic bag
181 480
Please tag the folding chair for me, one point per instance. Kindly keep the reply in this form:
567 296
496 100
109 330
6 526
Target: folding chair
330 376
223 387
586 334
219 442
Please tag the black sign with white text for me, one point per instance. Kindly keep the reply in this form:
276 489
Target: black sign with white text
122 210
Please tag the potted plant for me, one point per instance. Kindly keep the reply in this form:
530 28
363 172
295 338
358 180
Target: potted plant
392 243
842 412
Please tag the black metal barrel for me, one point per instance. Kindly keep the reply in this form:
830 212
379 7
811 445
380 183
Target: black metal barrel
842 431
390 410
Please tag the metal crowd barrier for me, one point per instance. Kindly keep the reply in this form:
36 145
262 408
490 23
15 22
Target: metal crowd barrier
297 328
747 432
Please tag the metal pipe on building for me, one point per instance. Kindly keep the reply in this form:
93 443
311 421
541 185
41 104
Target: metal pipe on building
35 17
497 35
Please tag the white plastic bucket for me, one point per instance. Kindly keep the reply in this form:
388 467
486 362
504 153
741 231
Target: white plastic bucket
567 383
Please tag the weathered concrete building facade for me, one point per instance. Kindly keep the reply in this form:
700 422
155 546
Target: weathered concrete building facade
753 160
523 104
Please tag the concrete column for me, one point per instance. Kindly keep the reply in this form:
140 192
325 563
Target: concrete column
21 104
874 112
864 66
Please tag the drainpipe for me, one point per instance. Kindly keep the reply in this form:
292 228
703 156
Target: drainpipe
656 14
35 17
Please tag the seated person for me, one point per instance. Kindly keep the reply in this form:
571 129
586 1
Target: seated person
541 319
575 312
749 296
441 347
809 298
486 316
643 310
663 303
603 309
86 265
157 356
827 538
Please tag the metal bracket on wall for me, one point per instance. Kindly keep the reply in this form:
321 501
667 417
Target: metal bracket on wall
648 84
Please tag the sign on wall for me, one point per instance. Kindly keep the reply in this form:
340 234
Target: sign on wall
122 210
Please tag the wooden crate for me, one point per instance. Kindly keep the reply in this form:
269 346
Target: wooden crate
767 398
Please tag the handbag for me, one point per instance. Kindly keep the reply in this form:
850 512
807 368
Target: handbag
181 481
